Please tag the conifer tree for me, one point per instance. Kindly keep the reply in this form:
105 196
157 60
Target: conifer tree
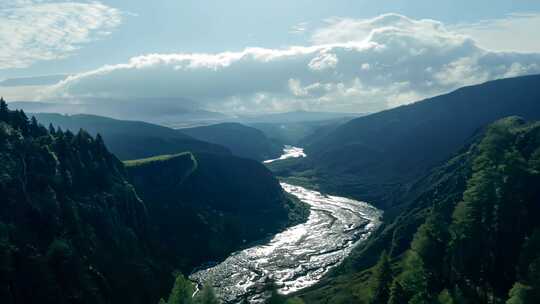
445 297
182 291
414 278
207 296
34 126
52 131
100 144
397 294
4 112
381 280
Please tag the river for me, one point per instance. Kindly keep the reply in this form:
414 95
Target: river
299 256
288 152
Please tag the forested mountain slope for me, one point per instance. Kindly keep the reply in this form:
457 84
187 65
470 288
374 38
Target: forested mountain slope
204 206
375 156
242 140
72 229
131 139
469 234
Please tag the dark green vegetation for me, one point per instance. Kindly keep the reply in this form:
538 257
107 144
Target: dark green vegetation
131 139
460 200
377 157
183 291
242 140
469 233
73 229
210 196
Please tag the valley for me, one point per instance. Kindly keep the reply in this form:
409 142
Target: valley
299 256
303 226
269 152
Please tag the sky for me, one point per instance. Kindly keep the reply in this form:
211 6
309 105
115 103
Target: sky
248 56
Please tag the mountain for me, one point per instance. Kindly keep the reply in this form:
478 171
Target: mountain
165 111
294 133
296 116
131 139
204 206
242 140
74 229
469 232
376 156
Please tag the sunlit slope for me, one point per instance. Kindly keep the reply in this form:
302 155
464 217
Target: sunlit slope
376 156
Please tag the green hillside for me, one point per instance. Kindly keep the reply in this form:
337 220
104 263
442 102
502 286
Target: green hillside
469 233
377 157
72 229
79 226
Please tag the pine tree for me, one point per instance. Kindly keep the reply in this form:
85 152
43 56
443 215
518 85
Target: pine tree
381 280
101 148
527 290
445 297
397 294
52 131
182 291
414 278
34 126
4 112
520 294
207 296
429 243
19 120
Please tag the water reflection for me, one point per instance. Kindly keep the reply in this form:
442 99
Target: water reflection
299 256
288 152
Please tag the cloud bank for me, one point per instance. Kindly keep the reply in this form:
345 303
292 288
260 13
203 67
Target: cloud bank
352 65
515 32
34 30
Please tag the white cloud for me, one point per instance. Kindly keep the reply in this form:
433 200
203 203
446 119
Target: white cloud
353 65
324 61
34 30
22 93
299 28
515 32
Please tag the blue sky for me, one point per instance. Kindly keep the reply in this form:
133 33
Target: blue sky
119 30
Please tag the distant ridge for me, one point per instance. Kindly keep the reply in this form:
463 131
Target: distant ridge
374 156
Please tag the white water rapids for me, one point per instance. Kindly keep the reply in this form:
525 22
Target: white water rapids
299 256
